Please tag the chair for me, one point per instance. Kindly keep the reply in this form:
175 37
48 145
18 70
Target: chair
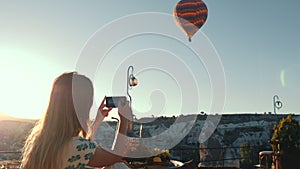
267 155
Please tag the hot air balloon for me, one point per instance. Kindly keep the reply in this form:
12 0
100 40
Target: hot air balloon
190 15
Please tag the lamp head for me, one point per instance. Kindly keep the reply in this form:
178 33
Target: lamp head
278 104
133 81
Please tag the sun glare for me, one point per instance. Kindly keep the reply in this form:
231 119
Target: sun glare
25 83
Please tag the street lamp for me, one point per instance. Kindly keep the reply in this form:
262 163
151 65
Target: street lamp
131 81
277 104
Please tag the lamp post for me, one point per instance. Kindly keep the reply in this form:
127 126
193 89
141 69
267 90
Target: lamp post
131 81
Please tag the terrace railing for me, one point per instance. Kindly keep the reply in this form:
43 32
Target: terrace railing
11 159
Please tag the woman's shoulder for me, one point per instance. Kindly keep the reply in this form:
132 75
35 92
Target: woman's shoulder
80 139
82 144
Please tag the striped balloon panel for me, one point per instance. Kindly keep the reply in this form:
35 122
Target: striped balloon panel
190 15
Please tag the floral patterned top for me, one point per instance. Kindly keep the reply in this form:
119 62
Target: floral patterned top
80 152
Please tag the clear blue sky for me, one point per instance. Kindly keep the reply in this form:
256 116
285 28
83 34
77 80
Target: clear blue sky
257 41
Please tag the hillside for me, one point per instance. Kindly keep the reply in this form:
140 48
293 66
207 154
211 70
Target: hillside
13 132
224 143
5 117
168 133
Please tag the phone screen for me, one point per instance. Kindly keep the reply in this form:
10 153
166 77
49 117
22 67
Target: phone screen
113 101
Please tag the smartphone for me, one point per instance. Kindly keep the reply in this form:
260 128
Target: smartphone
113 101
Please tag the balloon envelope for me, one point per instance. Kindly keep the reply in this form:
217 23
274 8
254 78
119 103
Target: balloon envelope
190 15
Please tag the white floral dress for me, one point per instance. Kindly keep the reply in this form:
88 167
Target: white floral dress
80 153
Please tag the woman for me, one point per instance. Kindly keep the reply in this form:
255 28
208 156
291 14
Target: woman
62 139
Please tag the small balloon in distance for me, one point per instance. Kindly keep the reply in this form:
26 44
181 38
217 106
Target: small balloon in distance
190 16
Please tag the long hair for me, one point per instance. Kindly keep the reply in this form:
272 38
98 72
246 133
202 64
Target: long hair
67 116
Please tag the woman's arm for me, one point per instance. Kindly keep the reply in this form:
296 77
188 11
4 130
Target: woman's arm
104 157
125 113
101 114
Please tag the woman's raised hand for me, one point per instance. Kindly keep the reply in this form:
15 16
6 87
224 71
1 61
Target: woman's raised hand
102 111
124 110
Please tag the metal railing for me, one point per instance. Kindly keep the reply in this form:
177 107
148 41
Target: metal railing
11 159
185 154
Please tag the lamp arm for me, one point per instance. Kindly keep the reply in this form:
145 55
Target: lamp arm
127 84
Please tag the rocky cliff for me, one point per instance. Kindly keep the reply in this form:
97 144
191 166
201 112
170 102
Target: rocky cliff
181 135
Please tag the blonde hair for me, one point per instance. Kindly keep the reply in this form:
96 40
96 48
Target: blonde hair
67 116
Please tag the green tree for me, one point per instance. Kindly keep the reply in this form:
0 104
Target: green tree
286 140
287 133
